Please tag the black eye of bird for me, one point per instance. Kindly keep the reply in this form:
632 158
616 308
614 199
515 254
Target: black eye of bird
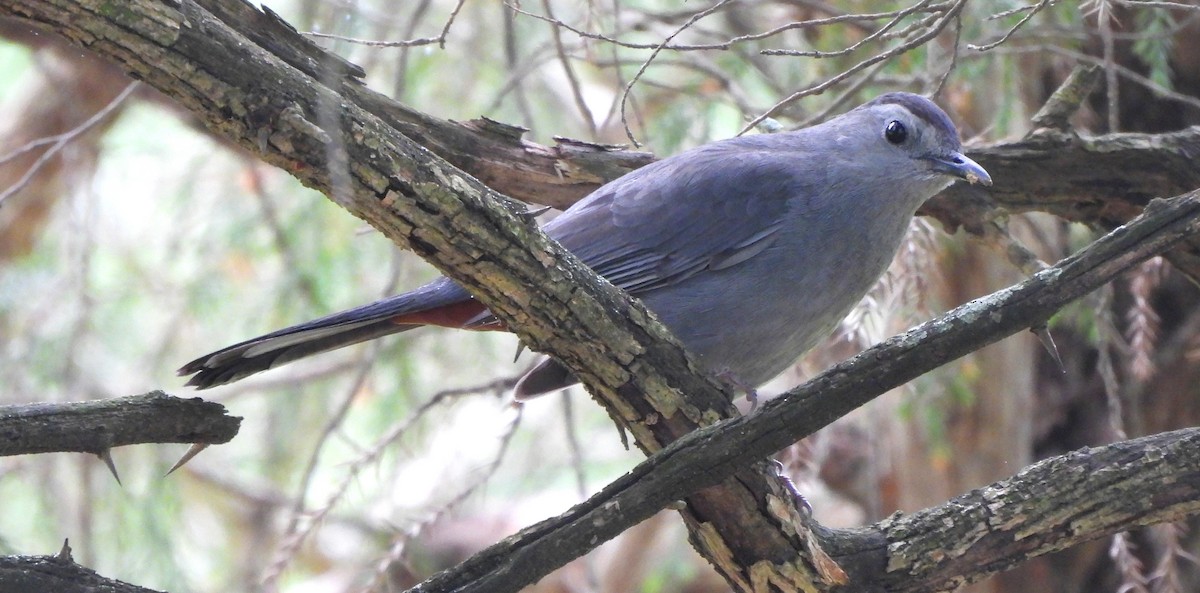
895 132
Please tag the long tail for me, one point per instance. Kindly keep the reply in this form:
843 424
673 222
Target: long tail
438 303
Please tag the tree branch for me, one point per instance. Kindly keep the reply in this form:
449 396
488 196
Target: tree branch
1096 491
291 115
1052 505
703 458
251 79
58 573
99 425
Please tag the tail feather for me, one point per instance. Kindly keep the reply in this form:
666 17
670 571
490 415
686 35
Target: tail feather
238 362
322 335
547 376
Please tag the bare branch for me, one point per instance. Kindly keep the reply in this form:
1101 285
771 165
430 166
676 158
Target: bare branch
700 459
572 80
440 40
637 76
58 573
948 16
1030 11
401 542
1154 4
877 35
58 142
298 534
731 42
99 425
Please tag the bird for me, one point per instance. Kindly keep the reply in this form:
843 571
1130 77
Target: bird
749 249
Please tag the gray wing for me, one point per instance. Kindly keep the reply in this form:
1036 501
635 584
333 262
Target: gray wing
706 209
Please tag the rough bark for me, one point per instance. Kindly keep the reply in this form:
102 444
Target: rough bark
1052 505
1101 181
58 573
254 81
291 114
99 425
701 458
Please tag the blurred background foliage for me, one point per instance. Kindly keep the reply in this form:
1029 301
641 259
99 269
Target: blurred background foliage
141 242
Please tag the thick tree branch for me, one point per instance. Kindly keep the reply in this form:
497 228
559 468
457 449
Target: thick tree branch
290 114
306 113
492 152
99 425
1052 505
296 122
1109 178
705 457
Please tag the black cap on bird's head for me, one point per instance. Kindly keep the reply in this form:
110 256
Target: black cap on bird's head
952 161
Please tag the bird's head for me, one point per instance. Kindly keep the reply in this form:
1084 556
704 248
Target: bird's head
908 128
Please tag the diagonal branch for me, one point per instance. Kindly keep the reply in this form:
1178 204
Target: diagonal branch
250 79
293 112
703 458
1050 506
1096 491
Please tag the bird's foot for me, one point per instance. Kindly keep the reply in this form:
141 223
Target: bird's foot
790 487
730 379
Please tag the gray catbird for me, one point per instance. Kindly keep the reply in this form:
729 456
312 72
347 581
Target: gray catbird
749 249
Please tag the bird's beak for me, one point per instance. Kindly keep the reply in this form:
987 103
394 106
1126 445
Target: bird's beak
958 165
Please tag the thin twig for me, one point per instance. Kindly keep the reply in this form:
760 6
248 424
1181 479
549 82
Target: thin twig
849 93
331 425
629 87
517 71
290 545
932 32
1158 90
440 40
58 142
576 91
395 553
1151 4
1021 23
400 83
1105 20
941 83
1154 87
620 76
877 35
1109 338
724 45
283 244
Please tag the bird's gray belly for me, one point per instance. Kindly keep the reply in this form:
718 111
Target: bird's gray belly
753 331
757 331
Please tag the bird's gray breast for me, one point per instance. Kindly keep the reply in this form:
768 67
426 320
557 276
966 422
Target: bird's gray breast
749 250
756 317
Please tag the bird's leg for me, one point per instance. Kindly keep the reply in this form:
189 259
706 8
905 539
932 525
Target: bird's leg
790 486
730 379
